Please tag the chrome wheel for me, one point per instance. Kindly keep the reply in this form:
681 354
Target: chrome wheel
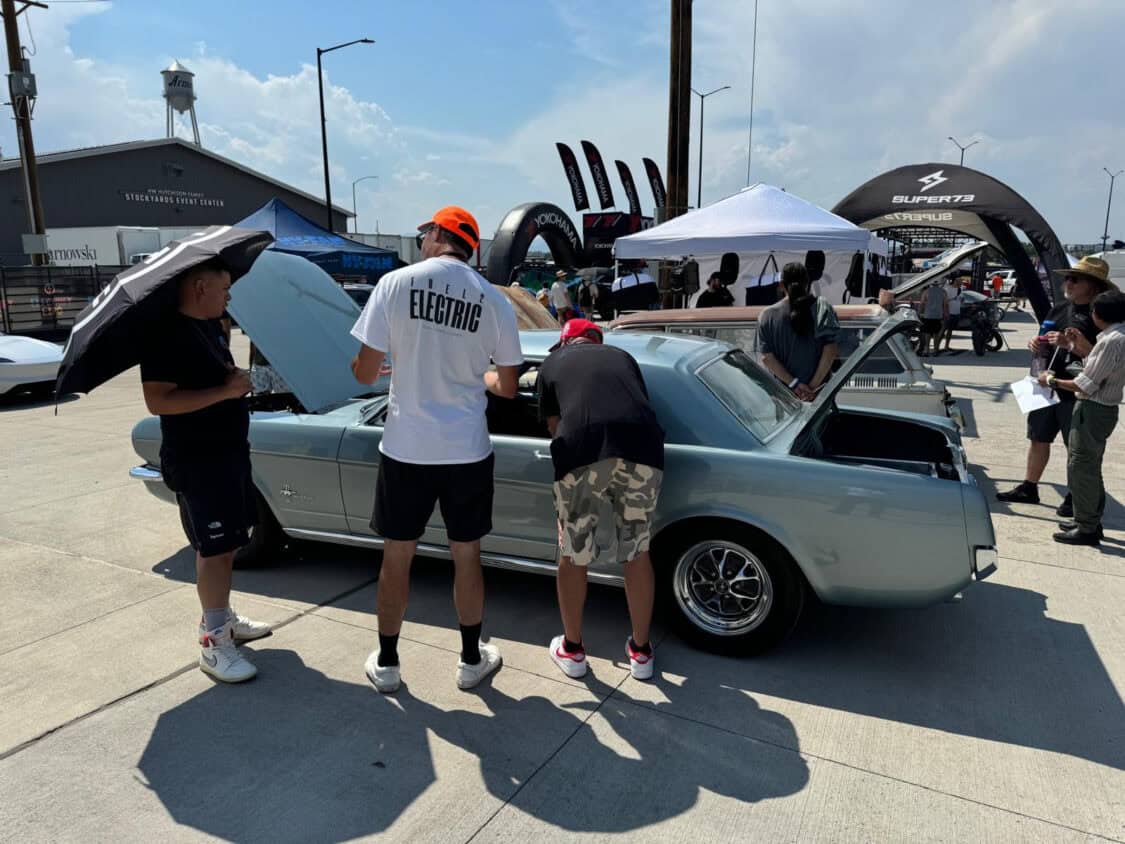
723 588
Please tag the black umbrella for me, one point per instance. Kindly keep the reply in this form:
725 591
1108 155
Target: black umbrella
109 335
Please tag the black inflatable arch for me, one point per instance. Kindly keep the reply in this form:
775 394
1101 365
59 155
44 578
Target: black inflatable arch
521 226
957 198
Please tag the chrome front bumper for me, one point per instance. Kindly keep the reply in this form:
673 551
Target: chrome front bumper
154 482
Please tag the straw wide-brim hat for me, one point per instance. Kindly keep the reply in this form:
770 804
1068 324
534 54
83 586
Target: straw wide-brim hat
1092 268
561 274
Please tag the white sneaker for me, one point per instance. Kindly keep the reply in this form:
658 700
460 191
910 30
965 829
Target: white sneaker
640 665
221 658
573 665
469 676
385 678
246 630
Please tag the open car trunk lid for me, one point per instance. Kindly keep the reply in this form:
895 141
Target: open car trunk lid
898 323
301 321
952 260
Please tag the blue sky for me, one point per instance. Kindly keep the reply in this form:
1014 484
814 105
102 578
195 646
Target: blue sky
464 102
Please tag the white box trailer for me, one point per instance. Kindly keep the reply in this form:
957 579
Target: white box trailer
84 246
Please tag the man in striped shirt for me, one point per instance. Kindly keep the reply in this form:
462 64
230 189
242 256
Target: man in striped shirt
1099 387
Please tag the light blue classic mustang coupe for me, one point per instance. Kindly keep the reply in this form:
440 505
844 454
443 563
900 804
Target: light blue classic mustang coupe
764 499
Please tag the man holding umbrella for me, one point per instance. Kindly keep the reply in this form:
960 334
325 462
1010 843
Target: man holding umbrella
190 381
175 299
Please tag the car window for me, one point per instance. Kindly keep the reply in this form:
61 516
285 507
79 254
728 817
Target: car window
754 396
881 361
740 336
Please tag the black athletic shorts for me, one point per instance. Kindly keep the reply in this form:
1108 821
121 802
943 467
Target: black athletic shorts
1046 423
405 495
216 497
932 326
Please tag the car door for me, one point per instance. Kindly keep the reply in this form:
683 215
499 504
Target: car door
524 523
358 460
523 510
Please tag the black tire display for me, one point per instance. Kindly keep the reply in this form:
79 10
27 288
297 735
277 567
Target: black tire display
729 588
995 342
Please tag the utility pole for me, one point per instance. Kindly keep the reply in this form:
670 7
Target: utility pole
679 108
1109 204
21 89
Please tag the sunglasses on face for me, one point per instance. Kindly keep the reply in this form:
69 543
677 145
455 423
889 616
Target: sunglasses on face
425 230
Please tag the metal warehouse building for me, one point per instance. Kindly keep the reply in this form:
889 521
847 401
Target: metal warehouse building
167 183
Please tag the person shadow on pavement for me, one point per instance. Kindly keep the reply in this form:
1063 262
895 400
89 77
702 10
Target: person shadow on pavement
299 756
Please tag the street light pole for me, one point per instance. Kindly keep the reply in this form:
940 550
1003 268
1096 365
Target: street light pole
699 186
963 148
1108 204
323 122
355 212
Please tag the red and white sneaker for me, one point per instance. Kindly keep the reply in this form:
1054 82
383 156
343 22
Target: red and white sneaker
573 665
640 665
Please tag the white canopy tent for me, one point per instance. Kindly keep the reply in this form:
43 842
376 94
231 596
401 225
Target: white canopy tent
760 218
756 223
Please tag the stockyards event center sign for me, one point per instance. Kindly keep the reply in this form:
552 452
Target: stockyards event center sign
167 196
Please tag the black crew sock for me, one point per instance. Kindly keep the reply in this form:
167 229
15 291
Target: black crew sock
645 649
470 643
388 650
572 647
1031 484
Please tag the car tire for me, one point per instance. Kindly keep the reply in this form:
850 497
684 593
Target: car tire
266 539
729 588
995 342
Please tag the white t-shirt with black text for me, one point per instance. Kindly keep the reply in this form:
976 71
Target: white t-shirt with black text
442 324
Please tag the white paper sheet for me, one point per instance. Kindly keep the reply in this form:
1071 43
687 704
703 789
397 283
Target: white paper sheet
1031 396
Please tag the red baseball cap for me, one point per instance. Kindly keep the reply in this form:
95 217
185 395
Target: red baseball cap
579 328
458 221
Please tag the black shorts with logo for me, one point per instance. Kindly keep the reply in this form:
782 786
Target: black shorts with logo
217 500
1046 423
405 495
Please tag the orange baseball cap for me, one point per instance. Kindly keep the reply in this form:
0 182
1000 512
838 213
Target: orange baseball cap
457 221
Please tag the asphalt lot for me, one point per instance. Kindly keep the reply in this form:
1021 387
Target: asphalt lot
998 718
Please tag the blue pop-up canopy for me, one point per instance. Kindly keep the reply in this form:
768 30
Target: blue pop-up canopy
333 253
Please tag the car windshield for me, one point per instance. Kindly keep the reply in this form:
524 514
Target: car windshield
754 396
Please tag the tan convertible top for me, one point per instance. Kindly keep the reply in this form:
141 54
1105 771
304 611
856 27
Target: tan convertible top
711 316
529 313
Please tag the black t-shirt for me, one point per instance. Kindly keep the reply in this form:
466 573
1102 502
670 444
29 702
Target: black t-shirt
599 395
193 355
714 298
1069 315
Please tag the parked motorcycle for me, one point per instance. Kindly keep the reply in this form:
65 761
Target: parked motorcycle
986 337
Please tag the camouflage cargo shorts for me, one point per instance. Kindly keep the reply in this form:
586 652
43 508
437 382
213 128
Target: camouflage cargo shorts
605 510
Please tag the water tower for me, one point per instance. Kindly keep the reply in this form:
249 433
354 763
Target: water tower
179 95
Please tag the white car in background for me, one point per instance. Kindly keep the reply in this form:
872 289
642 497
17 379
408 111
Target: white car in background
27 364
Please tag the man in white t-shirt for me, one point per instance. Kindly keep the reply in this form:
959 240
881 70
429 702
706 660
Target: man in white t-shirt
560 298
443 324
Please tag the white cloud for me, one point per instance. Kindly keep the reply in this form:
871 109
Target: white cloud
843 93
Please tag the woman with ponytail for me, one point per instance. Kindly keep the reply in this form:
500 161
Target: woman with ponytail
797 335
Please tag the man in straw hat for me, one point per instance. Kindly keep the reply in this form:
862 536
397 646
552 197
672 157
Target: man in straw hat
1099 392
560 298
1057 350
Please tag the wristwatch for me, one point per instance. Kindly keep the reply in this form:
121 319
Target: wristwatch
1051 379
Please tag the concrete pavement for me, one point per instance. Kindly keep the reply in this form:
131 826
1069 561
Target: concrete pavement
999 718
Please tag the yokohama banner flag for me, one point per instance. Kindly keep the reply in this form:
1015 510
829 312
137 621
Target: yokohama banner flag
657 183
630 187
601 177
574 177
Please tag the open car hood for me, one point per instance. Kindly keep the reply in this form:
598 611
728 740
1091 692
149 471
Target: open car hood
301 321
898 323
950 261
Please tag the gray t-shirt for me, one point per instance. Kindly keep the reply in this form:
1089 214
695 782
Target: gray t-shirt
933 303
800 355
